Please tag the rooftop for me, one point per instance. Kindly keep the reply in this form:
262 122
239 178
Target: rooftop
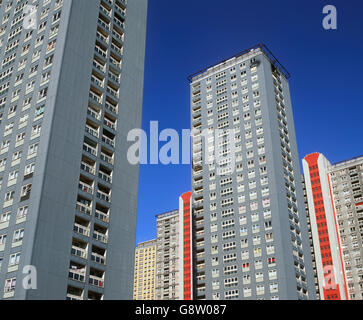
348 161
259 46
167 214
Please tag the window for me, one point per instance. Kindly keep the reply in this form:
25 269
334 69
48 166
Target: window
33 149
22 212
13 175
9 195
25 192
10 285
14 259
16 155
3 239
18 235
5 144
42 93
29 169
5 217
39 111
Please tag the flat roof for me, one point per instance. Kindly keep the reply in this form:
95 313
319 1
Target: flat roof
260 46
348 160
166 214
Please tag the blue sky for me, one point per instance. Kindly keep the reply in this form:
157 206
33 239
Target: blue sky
326 84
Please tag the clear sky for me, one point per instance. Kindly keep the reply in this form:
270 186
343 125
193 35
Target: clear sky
326 84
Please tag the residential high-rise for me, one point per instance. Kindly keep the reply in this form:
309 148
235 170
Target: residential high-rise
335 199
323 228
168 256
145 270
250 231
173 264
71 84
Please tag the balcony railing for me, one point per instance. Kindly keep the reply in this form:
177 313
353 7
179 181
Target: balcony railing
109 124
92 131
103 24
97 81
98 258
101 52
108 141
79 252
105 177
106 158
95 97
110 107
89 149
81 229
85 187
101 216
103 196
100 236
119 22
99 66
112 92
96 281
93 114
77 274
83 208
87 168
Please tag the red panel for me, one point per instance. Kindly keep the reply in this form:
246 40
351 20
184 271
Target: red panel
331 290
187 245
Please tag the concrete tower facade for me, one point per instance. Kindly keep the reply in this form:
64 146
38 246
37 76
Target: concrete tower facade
71 89
250 231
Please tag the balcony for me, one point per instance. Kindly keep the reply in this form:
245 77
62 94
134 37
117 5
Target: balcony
117 49
100 51
114 77
101 216
115 62
99 66
88 168
100 236
106 158
93 114
113 92
81 229
119 22
96 281
97 81
111 107
110 142
92 131
76 251
85 187
89 149
106 11
83 208
73 297
95 97
102 37
77 272
104 24
103 196
105 177
98 258
110 124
